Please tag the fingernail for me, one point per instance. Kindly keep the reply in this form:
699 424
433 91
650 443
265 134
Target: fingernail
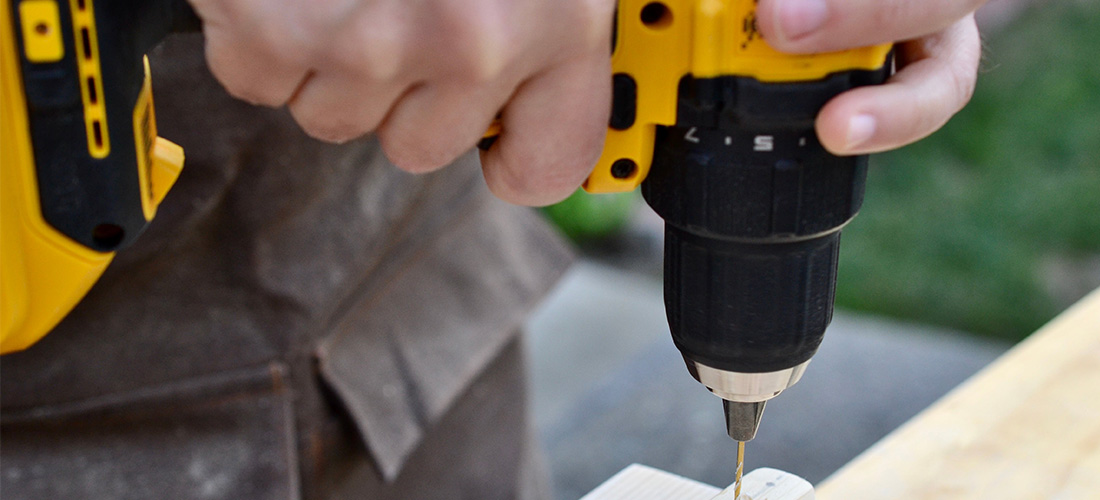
860 130
798 18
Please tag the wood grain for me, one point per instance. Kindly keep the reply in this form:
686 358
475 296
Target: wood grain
1025 427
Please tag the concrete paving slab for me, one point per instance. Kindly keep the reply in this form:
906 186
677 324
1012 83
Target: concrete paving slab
597 319
610 389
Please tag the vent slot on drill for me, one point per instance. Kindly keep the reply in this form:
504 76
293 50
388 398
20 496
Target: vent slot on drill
88 65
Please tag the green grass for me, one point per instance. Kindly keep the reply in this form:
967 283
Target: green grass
956 228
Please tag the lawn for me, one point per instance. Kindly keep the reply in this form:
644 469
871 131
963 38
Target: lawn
992 225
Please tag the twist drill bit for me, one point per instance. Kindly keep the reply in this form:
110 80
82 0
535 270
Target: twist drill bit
740 469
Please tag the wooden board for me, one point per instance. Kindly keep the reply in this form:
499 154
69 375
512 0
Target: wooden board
770 484
639 482
1026 427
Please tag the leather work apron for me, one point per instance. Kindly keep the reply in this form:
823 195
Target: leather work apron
301 320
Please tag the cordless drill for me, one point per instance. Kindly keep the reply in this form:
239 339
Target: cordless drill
721 128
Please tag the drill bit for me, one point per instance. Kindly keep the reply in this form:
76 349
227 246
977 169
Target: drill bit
740 469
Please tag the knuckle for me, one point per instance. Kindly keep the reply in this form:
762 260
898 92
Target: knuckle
374 49
325 127
381 59
252 71
321 15
482 45
244 85
286 46
411 156
328 133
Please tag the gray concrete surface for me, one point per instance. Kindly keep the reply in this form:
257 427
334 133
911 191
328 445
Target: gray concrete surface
610 389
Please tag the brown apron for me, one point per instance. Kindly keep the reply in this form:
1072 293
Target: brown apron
301 320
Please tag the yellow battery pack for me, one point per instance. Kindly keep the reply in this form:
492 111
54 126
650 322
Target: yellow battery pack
56 238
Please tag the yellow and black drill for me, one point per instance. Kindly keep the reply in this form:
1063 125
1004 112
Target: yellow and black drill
715 125
721 128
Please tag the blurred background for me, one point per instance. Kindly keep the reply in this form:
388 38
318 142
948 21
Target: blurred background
967 242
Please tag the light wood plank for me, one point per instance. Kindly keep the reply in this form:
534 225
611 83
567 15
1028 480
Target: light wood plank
1026 427
770 484
639 482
